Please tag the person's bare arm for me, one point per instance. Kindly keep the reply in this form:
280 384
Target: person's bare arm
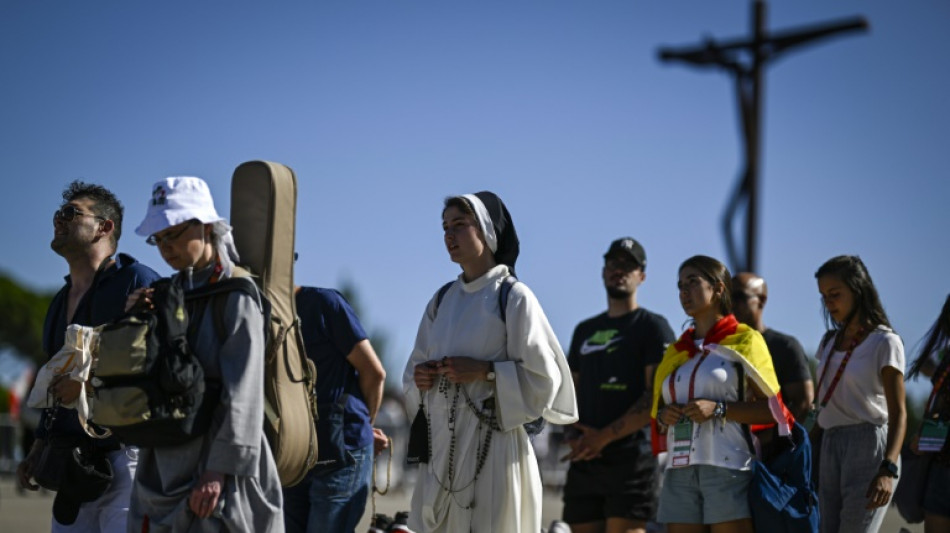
372 375
592 440
882 486
753 411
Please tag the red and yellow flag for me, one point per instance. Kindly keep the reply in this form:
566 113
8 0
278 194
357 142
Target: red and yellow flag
734 342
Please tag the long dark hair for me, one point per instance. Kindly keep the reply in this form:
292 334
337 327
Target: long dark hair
850 270
713 271
938 335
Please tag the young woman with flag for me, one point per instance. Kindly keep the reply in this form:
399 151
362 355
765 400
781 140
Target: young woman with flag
860 401
716 379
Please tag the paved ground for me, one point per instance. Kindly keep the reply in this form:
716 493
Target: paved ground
30 513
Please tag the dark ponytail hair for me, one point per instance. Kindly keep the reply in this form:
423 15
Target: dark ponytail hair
937 336
850 270
713 271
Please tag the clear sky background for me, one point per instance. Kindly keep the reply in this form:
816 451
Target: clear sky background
383 108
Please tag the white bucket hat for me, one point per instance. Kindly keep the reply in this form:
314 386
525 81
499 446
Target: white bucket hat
176 200
183 198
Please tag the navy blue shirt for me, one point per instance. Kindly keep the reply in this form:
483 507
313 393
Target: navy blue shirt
102 303
330 330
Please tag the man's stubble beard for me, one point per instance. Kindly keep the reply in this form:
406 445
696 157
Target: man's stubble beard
618 294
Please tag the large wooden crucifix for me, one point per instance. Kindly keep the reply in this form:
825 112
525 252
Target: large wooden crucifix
758 51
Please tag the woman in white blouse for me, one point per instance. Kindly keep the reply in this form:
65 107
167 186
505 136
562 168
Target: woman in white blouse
860 400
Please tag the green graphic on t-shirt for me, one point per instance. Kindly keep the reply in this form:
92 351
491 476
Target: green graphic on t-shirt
606 339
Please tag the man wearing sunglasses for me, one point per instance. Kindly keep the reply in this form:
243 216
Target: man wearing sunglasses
749 294
86 231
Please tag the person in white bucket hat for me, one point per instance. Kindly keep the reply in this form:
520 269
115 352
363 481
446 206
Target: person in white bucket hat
227 479
179 203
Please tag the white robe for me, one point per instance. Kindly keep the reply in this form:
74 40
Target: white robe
532 380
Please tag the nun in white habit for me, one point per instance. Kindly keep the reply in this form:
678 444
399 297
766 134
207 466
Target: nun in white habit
476 378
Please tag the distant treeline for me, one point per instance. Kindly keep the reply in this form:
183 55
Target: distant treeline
21 318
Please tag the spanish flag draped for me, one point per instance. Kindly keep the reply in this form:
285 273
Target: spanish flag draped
734 342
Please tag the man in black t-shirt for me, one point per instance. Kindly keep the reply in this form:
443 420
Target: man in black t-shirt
749 294
612 480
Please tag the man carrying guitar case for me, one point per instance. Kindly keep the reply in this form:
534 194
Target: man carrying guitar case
263 215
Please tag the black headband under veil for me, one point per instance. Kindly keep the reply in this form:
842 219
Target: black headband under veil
508 247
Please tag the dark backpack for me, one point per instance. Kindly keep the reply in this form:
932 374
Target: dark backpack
782 496
150 387
537 425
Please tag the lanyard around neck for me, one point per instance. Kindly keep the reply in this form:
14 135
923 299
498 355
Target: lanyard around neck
692 379
938 384
858 337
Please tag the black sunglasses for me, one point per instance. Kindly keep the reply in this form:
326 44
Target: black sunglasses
68 212
155 240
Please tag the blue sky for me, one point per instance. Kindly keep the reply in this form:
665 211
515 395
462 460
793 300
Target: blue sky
383 108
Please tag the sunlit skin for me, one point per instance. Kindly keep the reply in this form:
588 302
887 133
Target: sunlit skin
700 300
622 276
72 238
839 301
466 246
85 242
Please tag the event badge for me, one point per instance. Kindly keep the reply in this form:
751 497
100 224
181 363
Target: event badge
933 435
682 442
810 420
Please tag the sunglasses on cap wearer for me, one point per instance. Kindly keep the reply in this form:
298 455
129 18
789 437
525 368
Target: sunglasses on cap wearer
155 239
68 212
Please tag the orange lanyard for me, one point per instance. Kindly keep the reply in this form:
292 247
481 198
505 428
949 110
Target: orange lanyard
844 362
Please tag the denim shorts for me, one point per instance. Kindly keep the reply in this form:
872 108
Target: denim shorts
704 494
937 496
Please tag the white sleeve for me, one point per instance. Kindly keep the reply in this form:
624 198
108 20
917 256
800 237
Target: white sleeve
418 355
536 380
890 352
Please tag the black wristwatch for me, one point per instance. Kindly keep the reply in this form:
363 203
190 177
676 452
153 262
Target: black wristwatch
889 467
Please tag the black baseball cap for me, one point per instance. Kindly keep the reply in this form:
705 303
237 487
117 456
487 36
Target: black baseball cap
630 247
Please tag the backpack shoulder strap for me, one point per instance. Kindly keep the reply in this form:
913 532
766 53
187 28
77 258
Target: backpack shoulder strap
503 291
241 281
440 295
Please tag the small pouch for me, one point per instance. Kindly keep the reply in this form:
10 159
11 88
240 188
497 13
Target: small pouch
51 467
417 451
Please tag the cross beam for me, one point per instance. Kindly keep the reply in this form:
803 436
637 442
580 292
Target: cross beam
762 48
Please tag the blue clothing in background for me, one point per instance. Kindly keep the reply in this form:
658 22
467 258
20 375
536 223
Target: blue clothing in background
330 331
